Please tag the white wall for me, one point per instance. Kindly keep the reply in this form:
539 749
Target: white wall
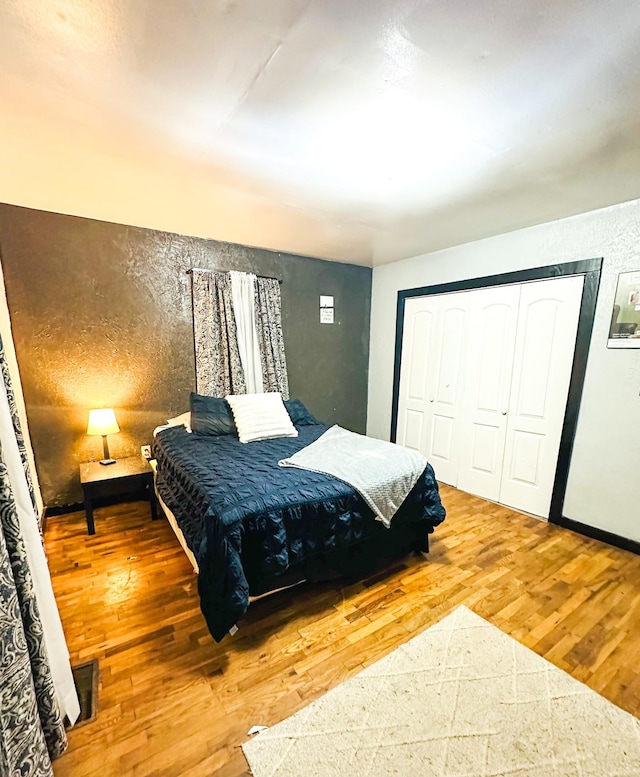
604 479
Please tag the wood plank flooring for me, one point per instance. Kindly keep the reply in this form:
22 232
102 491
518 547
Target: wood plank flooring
173 703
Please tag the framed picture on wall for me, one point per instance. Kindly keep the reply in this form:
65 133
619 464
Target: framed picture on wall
624 331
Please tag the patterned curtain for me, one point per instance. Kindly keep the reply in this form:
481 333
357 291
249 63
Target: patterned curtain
17 427
218 368
31 728
269 329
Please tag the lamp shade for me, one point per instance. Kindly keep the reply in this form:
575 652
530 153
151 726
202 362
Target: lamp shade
102 422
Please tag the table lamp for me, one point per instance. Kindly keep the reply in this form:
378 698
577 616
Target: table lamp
103 422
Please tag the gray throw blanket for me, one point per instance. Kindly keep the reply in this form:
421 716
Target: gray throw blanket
381 472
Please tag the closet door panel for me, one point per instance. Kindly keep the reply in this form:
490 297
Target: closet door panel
422 323
493 315
451 341
547 326
418 346
443 442
430 396
413 429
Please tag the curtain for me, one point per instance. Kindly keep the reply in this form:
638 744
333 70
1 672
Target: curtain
9 366
17 426
243 295
218 367
270 339
56 645
235 354
31 728
31 638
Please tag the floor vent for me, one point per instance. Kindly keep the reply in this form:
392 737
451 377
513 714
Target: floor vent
85 677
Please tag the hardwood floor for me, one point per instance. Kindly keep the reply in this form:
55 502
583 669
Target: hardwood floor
173 703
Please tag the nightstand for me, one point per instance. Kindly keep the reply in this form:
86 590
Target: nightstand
126 477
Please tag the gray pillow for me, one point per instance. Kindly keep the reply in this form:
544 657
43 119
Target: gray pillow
298 413
211 415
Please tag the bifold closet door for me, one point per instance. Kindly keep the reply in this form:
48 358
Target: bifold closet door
430 400
493 316
484 383
545 345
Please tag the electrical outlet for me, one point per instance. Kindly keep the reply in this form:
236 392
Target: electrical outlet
145 450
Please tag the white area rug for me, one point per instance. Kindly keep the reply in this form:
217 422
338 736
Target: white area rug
462 699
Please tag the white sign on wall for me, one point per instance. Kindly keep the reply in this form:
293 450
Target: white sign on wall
326 309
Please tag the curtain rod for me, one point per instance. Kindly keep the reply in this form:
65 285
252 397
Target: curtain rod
191 270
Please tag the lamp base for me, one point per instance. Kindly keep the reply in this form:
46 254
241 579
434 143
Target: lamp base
107 461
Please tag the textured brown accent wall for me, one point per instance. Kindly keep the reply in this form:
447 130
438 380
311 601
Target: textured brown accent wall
101 316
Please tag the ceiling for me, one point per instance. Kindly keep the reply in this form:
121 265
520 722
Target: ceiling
363 131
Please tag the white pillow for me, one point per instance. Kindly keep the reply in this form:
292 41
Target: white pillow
260 416
181 420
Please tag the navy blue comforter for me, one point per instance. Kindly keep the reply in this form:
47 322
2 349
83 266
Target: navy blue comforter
254 526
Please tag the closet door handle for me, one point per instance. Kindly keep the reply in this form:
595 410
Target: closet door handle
504 412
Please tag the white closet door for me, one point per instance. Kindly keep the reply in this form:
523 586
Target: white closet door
430 401
418 354
545 344
493 315
443 432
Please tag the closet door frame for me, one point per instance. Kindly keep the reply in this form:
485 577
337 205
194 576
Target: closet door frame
591 269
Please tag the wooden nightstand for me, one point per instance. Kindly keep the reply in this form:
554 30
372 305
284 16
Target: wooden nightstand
126 477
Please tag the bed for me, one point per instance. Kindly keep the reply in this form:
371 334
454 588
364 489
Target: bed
253 526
